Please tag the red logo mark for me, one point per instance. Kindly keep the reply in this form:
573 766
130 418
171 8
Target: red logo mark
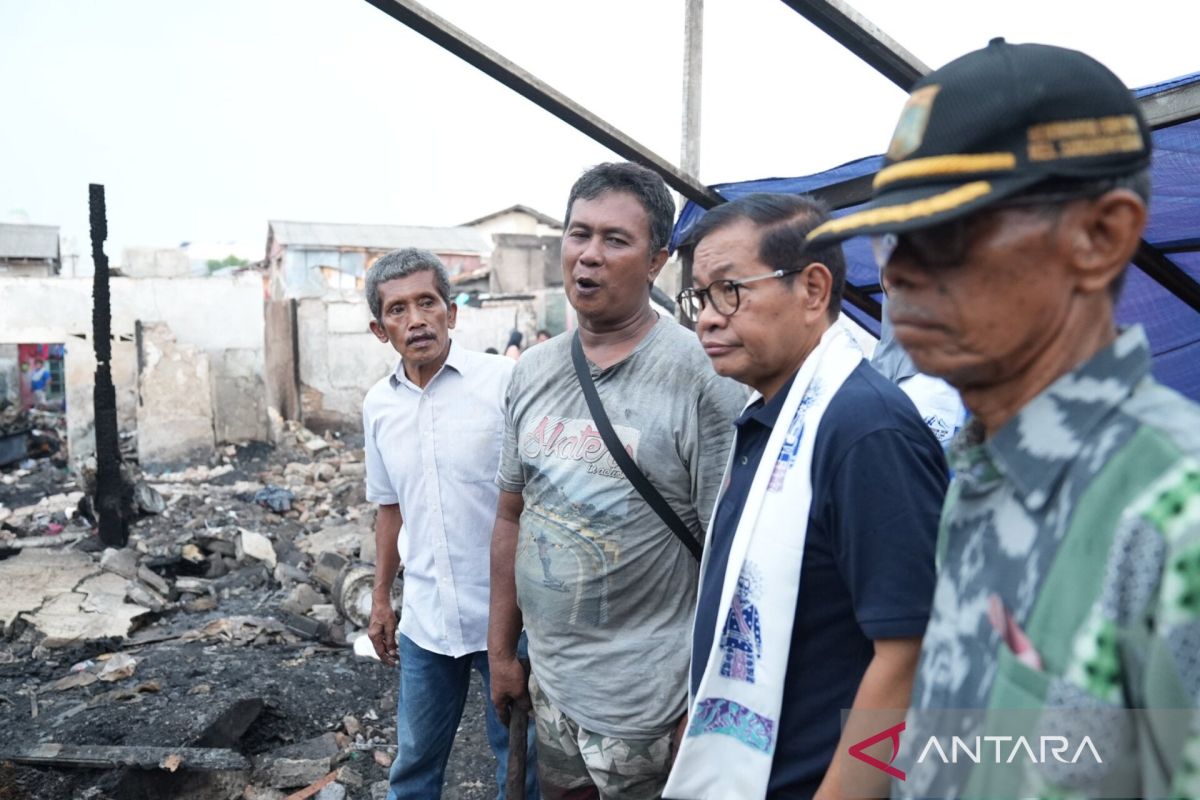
892 734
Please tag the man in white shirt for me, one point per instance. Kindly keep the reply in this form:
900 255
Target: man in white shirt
937 402
433 431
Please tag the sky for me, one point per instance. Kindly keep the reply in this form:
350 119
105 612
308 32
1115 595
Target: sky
204 120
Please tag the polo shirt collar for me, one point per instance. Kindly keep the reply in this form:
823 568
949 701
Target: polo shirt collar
1034 448
456 359
766 414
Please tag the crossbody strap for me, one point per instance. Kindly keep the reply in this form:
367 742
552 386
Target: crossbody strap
621 456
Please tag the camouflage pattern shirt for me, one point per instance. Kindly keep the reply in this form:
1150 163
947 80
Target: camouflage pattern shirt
1073 534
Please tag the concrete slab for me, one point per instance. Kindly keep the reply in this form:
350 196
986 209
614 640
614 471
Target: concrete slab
344 539
254 545
34 575
96 610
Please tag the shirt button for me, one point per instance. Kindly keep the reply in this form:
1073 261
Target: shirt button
745 460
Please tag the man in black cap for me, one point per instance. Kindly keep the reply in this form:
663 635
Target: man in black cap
1013 197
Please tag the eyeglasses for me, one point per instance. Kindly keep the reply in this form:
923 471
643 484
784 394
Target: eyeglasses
724 295
936 247
946 245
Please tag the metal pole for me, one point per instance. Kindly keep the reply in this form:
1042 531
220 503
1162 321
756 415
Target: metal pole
693 51
689 138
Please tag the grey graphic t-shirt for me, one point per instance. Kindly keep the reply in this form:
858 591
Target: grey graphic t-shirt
605 588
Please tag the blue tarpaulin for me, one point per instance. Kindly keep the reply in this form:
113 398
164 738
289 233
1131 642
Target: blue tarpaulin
1172 325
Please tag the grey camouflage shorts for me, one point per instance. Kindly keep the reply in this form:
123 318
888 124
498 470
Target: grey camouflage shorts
574 764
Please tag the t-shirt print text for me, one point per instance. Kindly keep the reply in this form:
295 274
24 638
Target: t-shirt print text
577 440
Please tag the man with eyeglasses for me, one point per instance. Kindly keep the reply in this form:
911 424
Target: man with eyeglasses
818 570
1012 198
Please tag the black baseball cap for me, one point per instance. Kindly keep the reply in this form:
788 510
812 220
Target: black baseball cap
992 123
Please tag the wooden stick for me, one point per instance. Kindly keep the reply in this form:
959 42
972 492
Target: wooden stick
518 732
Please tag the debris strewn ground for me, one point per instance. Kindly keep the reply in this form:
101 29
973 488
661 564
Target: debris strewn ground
29 434
213 657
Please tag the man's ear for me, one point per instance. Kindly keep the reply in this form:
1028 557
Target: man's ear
816 281
379 331
657 262
1105 235
451 315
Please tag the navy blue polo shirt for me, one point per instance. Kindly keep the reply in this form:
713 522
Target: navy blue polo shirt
879 478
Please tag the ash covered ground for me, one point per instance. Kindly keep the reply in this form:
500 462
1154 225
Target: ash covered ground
220 630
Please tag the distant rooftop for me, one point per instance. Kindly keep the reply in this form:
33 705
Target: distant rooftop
379 237
28 241
545 219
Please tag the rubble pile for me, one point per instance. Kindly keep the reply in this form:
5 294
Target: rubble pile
11 417
220 654
29 434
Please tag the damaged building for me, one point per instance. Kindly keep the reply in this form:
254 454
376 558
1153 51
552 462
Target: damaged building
320 358
203 361
210 657
185 349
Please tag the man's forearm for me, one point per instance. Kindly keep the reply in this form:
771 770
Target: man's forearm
504 618
886 685
387 557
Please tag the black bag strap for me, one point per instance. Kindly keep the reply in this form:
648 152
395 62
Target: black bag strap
619 454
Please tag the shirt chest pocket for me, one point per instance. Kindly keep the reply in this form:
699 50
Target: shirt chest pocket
473 451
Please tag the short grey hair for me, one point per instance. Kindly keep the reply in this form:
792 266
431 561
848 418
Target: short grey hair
401 264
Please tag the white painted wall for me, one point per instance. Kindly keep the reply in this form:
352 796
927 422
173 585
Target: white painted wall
175 401
340 359
490 326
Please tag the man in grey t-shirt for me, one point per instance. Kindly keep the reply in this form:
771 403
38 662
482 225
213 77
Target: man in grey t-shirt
602 585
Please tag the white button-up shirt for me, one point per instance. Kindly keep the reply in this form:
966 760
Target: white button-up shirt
435 453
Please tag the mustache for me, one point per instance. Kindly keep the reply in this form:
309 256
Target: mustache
420 336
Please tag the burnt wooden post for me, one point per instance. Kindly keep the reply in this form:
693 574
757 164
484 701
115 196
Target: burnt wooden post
111 489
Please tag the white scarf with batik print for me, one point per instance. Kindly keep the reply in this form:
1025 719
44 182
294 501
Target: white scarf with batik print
733 720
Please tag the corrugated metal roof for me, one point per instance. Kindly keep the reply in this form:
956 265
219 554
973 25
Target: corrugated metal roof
379 237
545 219
28 241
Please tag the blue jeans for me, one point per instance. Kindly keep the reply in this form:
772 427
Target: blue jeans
433 691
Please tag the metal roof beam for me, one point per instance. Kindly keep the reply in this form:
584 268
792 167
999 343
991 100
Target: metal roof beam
860 36
866 40
861 300
1162 269
491 63
846 193
1172 106
863 38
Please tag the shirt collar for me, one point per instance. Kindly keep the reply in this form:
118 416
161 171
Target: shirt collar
1035 447
766 414
456 360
